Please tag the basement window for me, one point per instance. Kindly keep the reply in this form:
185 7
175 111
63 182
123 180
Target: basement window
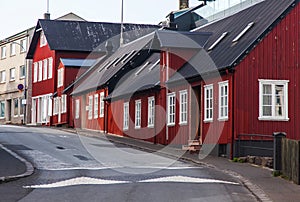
243 32
217 41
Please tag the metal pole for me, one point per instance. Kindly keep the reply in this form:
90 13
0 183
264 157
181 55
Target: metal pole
121 33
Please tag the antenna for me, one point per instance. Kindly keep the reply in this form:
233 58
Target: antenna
47 6
121 33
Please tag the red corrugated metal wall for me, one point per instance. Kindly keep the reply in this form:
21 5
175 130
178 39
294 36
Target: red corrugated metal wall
276 57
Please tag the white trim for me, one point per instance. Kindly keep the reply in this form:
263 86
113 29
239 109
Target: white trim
138 114
151 111
101 113
171 122
181 112
63 103
96 106
273 83
209 87
90 108
126 116
223 117
50 67
77 109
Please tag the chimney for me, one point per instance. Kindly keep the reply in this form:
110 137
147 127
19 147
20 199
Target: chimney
171 22
47 16
183 4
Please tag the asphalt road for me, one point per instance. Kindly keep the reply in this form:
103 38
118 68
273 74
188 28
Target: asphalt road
70 167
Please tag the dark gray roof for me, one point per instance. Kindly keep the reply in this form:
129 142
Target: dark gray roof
175 39
106 70
227 54
85 36
144 77
72 62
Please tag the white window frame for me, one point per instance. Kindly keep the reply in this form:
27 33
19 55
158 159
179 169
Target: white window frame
12 49
90 107
96 106
43 40
138 113
2 102
77 109
56 107
151 111
183 107
64 103
45 69
3 76
3 52
223 101
208 102
273 84
171 109
12 74
23 43
126 116
21 71
50 100
50 67
101 115
40 70
35 72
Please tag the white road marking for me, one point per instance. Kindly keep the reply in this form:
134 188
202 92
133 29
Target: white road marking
185 179
76 181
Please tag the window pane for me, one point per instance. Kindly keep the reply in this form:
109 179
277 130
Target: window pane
267 89
267 110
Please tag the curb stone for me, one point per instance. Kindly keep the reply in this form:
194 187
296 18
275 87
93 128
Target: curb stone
29 168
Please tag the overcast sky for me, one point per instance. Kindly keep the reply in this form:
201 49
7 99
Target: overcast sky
18 15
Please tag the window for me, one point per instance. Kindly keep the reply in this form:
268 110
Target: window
138 114
49 106
55 108
40 73
223 100
16 106
45 69
12 49
2 76
77 107
90 107
218 41
3 52
243 32
126 116
63 103
171 109
102 104
35 72
23 43
208 103
2 109
151 111
22 72
60 77
12 73
43 40
183 107
96 105
21 107
273 100
50 67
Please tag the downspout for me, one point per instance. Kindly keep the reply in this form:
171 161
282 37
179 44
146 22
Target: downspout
155 98
105 114
167 78
232 111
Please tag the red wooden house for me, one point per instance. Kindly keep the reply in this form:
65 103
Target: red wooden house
56 39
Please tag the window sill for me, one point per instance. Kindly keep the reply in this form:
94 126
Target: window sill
1 118
22 77
171 124
2 82
101 116
12 80
223 119
208 121
272 119
151 126
125 129
183 124
137 128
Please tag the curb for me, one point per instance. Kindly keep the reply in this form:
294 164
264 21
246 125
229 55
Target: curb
29 168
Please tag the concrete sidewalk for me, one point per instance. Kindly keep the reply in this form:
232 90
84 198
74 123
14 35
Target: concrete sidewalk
257 179
12 166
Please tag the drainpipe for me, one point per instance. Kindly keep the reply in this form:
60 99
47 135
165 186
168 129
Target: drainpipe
232 111
167 78
105 114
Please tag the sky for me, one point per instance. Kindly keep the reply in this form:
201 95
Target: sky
19 15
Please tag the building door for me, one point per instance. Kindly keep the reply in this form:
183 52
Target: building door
195 113
8 110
